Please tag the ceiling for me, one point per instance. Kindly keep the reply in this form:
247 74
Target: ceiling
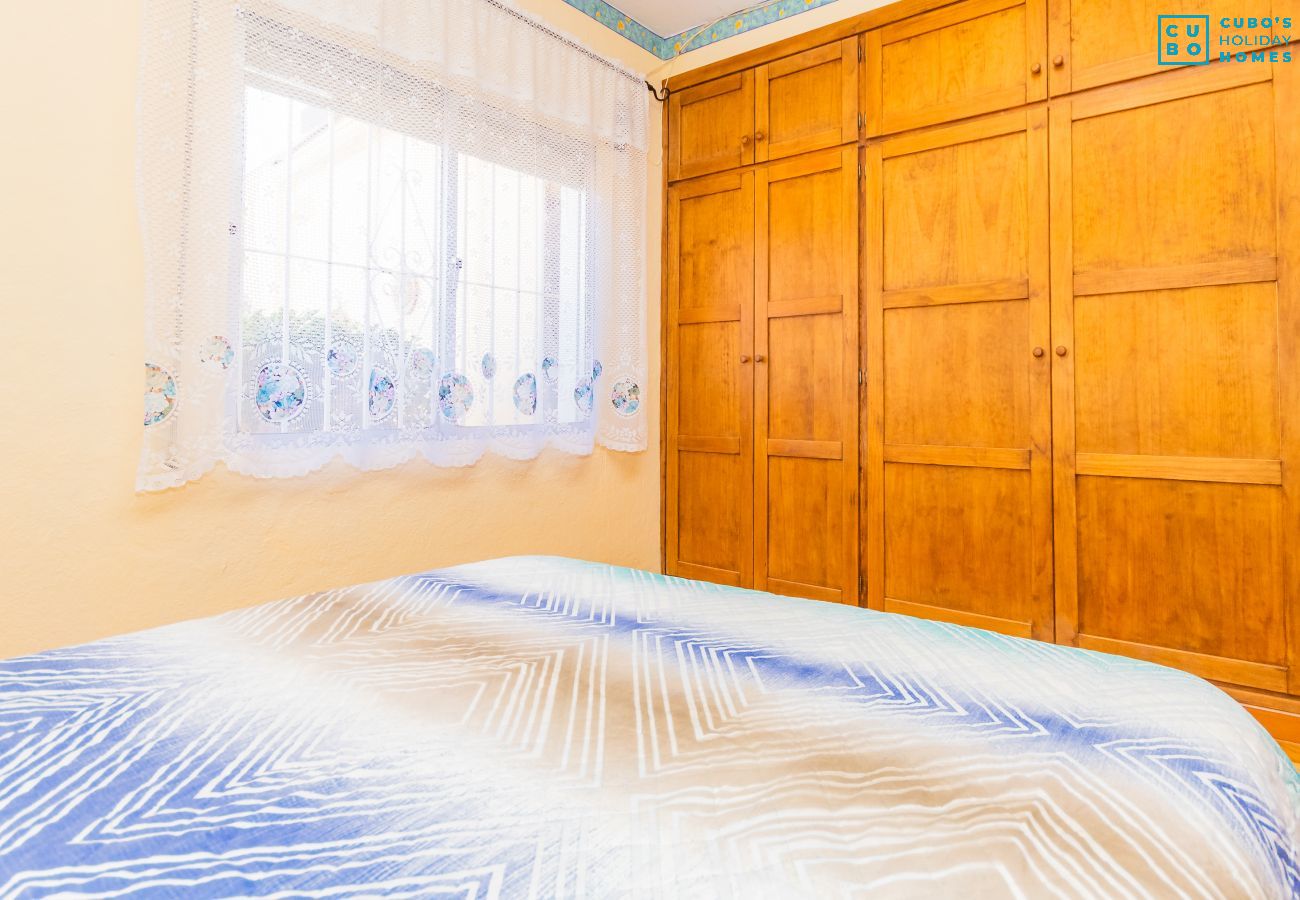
672 17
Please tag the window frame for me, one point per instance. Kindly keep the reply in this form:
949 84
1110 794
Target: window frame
447 283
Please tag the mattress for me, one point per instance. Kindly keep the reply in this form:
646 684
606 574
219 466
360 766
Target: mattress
544 727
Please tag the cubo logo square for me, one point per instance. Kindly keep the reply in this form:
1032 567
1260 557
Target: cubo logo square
1183 40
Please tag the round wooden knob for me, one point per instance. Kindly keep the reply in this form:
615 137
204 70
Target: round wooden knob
759 136
1038 352
1036 68
760 358
1061 351
744 140
744 357
1058 61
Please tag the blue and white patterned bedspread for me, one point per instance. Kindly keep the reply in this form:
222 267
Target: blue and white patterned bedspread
539 727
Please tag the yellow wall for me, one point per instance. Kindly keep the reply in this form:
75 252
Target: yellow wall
81 554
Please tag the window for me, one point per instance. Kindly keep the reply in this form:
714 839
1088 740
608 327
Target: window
381 230
400 278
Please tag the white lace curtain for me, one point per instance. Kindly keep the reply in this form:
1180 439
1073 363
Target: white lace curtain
381 229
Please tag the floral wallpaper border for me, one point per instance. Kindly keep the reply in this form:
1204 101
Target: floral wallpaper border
694 39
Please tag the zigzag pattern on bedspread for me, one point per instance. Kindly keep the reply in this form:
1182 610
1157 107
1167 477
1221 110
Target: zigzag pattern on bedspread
536 726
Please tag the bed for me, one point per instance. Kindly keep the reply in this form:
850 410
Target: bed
544 727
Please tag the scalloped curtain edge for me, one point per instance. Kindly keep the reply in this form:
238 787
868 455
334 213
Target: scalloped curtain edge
368 458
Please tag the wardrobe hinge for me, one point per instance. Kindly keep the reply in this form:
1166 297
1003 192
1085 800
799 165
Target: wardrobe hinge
861 585
859 171
862 376
859 51
862 120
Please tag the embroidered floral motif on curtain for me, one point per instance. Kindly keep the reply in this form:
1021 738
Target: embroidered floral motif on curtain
382 230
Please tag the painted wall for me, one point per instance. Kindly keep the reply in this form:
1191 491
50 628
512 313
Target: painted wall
81 554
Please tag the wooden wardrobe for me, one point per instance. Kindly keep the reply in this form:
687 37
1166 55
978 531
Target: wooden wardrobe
974 312
761 328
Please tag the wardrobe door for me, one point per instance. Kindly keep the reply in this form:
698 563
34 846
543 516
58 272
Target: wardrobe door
961 60
711 126
709 389
958 472
1176 320
1096 42
805 454
808 101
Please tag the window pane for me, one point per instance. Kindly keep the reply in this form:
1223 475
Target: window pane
390 283
266 153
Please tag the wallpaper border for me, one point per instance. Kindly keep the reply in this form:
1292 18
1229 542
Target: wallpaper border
675 45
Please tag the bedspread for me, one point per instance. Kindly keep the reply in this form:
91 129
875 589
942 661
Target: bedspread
537 726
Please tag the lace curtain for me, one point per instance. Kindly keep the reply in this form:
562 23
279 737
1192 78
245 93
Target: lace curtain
381 229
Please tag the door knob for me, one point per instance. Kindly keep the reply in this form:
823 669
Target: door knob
744 140
1036 68
744 357
1061 351
1038 352
760 358
1058 61
759 136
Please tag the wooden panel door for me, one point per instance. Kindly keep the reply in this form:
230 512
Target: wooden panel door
709 483
1176 325
962 60
958 474
808 101
1096 42
805 455
711 126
